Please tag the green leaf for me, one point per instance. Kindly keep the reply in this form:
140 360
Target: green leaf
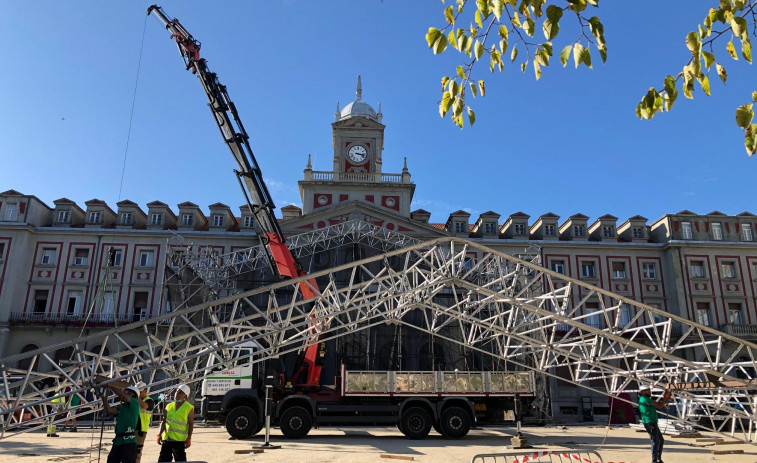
523 66
436 40
445 104
453 40
577 5
731 50
515 19
709 58
693 44
528 27
671 91
478 49
477 18
471 116
550 28
739 26
537 69
445 81
431 36
754 96
449 15
565 55
597 29
581 54
750 139
542 57
513 54
721 72
705 83
503 32
498 6
473 89
481 87
461 72
603 53
554 13
744 115
746 51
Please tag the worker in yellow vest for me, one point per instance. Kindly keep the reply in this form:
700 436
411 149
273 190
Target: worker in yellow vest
146 405
175 435
57 405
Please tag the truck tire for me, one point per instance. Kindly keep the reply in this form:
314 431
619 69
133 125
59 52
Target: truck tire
455 423
415 423
295 422
242 422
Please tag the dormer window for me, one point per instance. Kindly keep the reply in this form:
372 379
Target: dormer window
519 229
638 232
717 231
489 228
608 231
126 218
579 230
64 216
746 232
218 221
686 232
187 220
10 213
249 221
156 219
94 217
459 227
549 230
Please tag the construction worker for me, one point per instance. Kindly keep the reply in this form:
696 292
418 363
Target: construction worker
648 409
58 404
73 405
146 406
175 435
124 448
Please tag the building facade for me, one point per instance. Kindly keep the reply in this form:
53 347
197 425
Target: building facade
68 270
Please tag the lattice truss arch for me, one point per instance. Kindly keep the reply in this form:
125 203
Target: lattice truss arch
503 306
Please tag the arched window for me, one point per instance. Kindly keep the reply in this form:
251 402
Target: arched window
24 363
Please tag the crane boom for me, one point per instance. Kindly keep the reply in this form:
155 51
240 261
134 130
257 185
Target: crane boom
230 125
250 177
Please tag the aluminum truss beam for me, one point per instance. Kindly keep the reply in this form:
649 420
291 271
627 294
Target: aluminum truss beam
497 304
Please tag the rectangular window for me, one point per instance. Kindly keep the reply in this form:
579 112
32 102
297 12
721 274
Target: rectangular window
579 230
74 303
2 251
248 221
728 270
746 232
649 271
717 231
549 230
187 220
459 226
619 270
48 256
146 258
125 218
140 305
624 316
588 270
638 232
94 217
10 212
81 256
519 229
489 228
734 314
592 310
558 266
64 216
117 256
608 231
697 269
686 231
156 219
40 301
703 313
109 306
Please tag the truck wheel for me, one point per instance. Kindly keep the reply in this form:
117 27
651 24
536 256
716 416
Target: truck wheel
455 423
242 422
295 422
416 423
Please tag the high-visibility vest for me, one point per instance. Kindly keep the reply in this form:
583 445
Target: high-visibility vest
59 400
177 422
144 416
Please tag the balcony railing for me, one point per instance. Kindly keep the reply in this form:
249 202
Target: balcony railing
372 177
740 329
64 319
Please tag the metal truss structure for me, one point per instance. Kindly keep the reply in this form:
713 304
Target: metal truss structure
494 303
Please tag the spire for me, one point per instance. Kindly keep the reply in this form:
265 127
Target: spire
379 115
404 169
359 90
338 113
310 165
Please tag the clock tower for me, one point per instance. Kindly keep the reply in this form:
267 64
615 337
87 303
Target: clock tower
357 175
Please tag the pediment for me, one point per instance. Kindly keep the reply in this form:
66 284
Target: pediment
357 122
356 210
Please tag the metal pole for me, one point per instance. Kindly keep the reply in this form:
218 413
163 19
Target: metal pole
268 409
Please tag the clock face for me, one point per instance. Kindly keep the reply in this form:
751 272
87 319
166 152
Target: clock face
358 153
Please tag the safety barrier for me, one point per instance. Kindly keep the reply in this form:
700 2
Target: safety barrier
556 456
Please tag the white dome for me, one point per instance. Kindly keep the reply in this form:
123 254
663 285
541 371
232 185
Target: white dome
359 108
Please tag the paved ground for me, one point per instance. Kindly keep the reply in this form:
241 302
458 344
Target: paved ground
355 445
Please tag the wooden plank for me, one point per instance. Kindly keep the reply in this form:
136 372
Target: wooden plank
729 442
247 452
397 457
726 452
711 439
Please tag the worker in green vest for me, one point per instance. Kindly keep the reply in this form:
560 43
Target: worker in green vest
146 406
175 435
124 448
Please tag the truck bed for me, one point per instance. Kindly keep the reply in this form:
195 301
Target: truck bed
432 383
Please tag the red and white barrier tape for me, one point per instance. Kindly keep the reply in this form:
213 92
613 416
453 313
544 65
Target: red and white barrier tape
571 457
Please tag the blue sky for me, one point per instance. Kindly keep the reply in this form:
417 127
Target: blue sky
569 143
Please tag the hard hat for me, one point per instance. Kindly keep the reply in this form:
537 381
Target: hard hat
134 390
141 385
183 388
